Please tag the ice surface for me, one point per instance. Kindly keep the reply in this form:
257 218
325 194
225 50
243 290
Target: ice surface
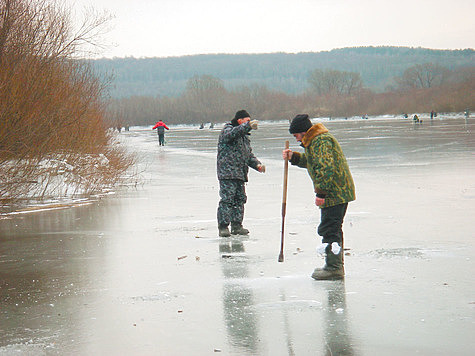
107 278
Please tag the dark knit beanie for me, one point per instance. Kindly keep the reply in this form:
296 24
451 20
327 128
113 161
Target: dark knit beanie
300 123
241 114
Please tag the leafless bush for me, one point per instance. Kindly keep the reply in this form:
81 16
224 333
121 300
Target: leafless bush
50 102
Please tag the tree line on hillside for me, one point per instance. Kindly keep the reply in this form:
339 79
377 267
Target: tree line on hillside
51 104
332 93
284 72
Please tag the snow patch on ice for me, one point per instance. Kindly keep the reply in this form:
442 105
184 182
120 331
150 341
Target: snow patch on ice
410 252
321 249
336 248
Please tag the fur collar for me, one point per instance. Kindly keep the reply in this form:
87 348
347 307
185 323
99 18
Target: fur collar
312 132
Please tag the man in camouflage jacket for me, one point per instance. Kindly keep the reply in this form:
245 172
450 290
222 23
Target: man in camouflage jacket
234 159
333 185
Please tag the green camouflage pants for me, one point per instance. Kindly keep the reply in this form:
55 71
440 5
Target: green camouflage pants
233 197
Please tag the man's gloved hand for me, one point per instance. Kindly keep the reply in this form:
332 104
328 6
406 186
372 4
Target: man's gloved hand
261 168
253 124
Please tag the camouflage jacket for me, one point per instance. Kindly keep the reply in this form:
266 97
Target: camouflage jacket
235 153
326 164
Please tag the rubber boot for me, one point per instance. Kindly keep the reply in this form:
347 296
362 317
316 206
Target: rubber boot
237 229
224 231
333 268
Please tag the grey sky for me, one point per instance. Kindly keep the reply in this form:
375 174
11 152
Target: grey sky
160 28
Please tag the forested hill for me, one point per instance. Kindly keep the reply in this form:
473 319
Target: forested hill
278 71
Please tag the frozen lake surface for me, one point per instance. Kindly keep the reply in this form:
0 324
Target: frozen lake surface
142 272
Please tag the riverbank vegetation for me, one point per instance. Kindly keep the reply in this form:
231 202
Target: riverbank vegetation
332 93
53 130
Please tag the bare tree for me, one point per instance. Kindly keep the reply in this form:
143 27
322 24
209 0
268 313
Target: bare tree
205 98
334 82
425 75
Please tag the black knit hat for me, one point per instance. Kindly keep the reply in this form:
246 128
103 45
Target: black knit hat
300 123
241 114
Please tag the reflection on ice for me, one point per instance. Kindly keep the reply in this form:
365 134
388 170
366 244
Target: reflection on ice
338 340
241 324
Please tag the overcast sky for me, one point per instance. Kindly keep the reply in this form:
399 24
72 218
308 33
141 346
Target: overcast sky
162 28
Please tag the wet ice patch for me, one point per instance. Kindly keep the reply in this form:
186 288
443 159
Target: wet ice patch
51 205
28 348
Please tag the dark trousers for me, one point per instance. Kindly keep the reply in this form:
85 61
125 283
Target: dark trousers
233 197
331 223
161 139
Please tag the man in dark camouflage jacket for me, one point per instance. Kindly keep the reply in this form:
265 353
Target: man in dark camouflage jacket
333 184
234 159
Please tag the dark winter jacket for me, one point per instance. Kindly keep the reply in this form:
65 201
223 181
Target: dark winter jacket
160 126
326 164
235 153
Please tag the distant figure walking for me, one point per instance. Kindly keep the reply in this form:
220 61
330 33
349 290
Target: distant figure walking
160 126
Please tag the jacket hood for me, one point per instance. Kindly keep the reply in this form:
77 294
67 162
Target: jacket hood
312 132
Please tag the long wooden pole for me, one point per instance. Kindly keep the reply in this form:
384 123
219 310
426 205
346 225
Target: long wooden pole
284 203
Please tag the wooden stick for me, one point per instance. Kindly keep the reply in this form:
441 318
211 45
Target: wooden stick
284 203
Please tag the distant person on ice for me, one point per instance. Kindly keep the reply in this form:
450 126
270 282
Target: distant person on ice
160 126
333 185
234 159
416 119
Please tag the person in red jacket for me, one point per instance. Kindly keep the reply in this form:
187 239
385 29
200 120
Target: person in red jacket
160 126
